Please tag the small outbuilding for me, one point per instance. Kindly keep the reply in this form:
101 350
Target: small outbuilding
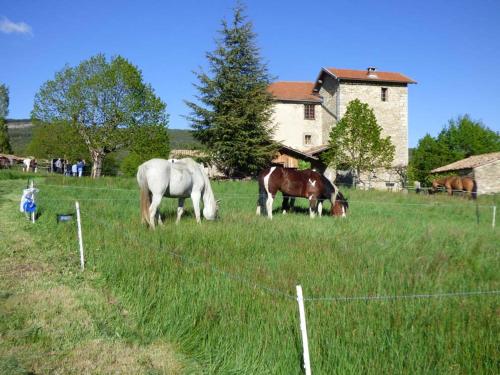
484 168
289 157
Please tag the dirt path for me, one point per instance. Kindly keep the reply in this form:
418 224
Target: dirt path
56 320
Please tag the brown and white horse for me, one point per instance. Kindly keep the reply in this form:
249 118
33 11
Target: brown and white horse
5 162
293 183
454 184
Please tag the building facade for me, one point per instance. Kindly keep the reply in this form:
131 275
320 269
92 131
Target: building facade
305 112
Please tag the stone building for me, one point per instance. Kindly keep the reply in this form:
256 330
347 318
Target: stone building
484 168
305 112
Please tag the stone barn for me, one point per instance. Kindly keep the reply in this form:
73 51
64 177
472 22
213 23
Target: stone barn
484 168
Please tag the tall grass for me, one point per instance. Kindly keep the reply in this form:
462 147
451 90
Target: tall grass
223 291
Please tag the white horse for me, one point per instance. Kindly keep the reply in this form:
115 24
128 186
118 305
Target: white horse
26 165
29 164
175 178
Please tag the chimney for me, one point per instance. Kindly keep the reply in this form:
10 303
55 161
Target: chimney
371 72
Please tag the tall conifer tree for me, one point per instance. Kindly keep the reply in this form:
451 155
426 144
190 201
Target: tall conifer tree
232 118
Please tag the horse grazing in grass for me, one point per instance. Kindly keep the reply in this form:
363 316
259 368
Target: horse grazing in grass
292 183
29 164
174 178
455 184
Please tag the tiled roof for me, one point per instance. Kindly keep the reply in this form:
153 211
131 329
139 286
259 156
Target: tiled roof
470 162
294 91
362 75
317 149
284 149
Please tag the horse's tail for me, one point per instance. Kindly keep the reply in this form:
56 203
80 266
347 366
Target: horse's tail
474 189
145 194
261 201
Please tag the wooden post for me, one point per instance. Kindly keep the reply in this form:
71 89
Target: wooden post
80 240
33 196
303 329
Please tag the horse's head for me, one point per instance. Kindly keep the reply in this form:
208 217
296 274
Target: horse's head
436 184
339 208
212 213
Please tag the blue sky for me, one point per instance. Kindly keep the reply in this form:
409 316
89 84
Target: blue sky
451 48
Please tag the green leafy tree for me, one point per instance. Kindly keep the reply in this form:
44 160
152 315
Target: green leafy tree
464 137
103 100
57 140
4 111
147 142
428 155
356 143
232 120
461 138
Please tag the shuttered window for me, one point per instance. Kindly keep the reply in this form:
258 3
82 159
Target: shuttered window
309 111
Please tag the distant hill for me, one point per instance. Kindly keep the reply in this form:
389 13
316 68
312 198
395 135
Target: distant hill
182 139
21 131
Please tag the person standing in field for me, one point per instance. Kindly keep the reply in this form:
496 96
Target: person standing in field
74 170
79 166
58 165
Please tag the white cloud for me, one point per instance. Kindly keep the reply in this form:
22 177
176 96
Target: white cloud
9 27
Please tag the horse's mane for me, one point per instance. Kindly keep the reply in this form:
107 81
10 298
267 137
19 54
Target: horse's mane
208 197
342 199
334 189
208 194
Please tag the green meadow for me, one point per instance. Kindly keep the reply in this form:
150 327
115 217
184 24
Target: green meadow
219 297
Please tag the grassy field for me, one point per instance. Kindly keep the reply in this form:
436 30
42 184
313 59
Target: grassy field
222 293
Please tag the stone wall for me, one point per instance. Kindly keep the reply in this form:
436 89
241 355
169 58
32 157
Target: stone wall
392 115
328 92
488 178
291 127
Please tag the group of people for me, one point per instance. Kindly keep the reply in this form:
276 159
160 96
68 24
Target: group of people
69 169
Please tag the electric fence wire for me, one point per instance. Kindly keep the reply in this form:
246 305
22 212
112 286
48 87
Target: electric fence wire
244 197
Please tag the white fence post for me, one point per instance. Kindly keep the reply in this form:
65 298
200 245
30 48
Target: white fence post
33 196
80 240
494 216
303 329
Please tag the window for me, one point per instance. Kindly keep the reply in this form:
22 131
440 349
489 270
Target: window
309 111
383 94
307 139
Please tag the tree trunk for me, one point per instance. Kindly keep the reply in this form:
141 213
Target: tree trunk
97 159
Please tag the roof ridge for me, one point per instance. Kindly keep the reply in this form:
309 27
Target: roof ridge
363 70
294 81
